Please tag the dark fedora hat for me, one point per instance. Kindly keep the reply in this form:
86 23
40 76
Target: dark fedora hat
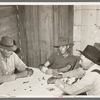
7 43
97 45
91 53
63 41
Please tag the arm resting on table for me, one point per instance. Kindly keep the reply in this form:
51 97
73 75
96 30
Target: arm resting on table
64 69
7 78
78 73
83 85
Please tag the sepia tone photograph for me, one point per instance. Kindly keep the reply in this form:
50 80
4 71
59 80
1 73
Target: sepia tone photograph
49 50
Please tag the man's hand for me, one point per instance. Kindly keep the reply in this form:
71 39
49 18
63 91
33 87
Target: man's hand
49 71
51 80
30 72
22 74
44 69
27 72
64 69
58 76
59 84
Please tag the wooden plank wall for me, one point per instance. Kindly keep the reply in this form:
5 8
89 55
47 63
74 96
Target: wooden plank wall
22 35
40 27
9 22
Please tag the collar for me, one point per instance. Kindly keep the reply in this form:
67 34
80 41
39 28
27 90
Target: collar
58 53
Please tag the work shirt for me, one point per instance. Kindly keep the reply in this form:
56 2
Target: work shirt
77 73
89 83
57 61
8 65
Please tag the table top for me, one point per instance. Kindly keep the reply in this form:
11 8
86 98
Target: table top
34 86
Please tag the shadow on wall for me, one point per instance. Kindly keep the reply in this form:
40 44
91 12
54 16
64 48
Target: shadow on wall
18 50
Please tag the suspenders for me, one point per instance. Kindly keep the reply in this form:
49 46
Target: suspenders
96 70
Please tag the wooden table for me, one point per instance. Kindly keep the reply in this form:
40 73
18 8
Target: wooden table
34 86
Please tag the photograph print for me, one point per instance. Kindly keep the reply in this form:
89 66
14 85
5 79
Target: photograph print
50 50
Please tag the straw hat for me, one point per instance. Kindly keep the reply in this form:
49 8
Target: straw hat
63 41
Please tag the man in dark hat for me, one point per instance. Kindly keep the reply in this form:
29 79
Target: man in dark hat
90 75
97 45
62 60
9 61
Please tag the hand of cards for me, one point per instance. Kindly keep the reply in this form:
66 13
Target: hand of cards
69 80
52 79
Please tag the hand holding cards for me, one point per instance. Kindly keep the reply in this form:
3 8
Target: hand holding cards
52 79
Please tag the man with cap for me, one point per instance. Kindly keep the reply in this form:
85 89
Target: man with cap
9 61
89 77
62 60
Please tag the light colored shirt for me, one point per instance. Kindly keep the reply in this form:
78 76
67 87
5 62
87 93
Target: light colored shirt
89 83
7 67
77 73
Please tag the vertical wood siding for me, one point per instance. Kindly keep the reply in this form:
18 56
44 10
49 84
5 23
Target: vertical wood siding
22 35
9 22
40 28
45 31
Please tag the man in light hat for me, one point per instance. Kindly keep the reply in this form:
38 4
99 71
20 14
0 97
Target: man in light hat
62 60
89 76
9 61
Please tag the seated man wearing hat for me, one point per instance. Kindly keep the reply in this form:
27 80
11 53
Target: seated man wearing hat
62 60
89 77
9 61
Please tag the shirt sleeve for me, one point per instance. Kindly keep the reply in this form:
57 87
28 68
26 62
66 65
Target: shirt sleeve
83 85
78 73
6 78
64 69
72 61
77 65
51 58
19 64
